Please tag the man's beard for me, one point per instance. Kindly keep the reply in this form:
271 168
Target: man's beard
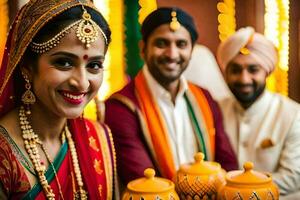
161 75
248 100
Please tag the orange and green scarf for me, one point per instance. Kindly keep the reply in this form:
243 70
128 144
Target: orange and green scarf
155 128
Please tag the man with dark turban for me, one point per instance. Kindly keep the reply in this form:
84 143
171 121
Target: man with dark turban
263 127
159 119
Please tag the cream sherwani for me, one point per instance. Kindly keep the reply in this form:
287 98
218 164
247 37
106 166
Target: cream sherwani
267 134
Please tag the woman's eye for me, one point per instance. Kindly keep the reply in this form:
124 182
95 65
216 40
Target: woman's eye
95 66
63 63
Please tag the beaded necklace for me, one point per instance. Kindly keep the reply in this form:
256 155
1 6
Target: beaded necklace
53 168
31 140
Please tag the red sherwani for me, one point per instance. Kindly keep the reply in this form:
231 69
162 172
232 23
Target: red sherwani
134 153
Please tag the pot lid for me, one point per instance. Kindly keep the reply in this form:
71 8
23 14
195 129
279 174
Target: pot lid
200 167
248 176
150 184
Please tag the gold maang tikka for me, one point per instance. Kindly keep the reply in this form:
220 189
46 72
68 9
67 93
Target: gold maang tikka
87 29
174 24
87 32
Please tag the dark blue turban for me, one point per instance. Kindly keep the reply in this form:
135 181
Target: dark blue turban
163 16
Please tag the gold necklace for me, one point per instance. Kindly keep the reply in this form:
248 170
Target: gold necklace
31 140
82 193
53 168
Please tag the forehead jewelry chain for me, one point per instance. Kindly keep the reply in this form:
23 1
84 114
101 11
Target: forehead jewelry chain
87 31
31 140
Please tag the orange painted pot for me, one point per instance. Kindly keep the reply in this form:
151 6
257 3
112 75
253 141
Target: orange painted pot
150 188
248 184
199 180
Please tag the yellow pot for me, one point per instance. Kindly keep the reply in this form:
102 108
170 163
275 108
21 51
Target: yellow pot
248 185
150 188
199 180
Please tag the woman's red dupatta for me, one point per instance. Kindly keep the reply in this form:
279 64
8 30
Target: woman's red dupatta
91 161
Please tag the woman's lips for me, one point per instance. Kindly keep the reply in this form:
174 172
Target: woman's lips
72 97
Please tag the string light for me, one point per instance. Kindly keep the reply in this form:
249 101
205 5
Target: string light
277 30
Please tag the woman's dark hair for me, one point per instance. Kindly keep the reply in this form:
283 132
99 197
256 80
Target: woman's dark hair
64 19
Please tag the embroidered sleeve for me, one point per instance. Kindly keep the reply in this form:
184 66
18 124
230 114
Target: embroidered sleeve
12 176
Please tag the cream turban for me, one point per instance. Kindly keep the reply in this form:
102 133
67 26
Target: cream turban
247 41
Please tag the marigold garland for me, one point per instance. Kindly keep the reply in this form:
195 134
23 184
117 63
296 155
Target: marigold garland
226 19
3 26
277 30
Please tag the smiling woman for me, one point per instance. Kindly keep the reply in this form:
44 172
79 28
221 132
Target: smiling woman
52 67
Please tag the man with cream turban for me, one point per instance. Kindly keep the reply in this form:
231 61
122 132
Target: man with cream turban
263 127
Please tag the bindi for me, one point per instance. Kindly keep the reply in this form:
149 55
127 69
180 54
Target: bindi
85 57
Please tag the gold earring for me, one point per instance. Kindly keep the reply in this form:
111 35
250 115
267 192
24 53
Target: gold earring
28 98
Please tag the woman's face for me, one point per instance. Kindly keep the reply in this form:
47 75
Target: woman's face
68 76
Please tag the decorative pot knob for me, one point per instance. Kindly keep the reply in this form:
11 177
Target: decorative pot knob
248 166
199 157
149 173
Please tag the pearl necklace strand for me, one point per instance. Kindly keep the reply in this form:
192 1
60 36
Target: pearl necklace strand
30 141
82 193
